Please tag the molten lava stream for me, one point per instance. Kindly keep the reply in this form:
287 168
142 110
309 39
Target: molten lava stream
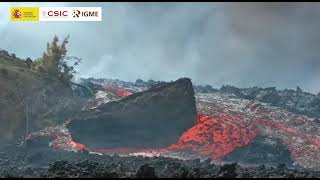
215 137
305 145
120 92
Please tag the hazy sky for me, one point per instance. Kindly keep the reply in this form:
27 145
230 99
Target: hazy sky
242 44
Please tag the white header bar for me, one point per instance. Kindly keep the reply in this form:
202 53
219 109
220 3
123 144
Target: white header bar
70 14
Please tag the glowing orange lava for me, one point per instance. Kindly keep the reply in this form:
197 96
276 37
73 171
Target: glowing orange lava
78 146
306 143
215 137
118 91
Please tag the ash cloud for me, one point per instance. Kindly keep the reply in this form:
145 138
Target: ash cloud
242 44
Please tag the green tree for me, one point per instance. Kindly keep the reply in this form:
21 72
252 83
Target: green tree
54 61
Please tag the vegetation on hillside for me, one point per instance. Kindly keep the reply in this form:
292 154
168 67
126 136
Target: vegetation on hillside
55 61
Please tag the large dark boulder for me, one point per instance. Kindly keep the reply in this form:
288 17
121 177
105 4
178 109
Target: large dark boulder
150 119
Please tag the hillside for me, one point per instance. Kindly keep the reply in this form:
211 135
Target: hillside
25 95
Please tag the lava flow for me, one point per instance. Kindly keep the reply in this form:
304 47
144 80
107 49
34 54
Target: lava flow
304 147
215 137
120 92
69 144
61 138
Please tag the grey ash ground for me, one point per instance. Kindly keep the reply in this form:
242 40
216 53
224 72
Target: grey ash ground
21 162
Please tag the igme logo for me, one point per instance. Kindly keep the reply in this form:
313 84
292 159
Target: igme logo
76 13
79 13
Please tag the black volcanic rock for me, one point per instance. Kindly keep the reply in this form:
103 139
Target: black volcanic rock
262 150
150 119
231 90
38 142
145 171
296 101
14 162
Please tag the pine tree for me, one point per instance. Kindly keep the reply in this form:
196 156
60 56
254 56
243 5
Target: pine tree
54 61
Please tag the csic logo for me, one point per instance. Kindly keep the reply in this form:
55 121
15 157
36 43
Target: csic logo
55 13
16 14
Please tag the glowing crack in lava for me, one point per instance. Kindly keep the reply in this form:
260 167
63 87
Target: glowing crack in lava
120 92
68 144
215 137
62 139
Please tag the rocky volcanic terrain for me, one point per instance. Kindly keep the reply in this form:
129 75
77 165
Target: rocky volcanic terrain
21 162
159 129
250 126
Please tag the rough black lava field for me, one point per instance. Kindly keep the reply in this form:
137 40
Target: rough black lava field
158 129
